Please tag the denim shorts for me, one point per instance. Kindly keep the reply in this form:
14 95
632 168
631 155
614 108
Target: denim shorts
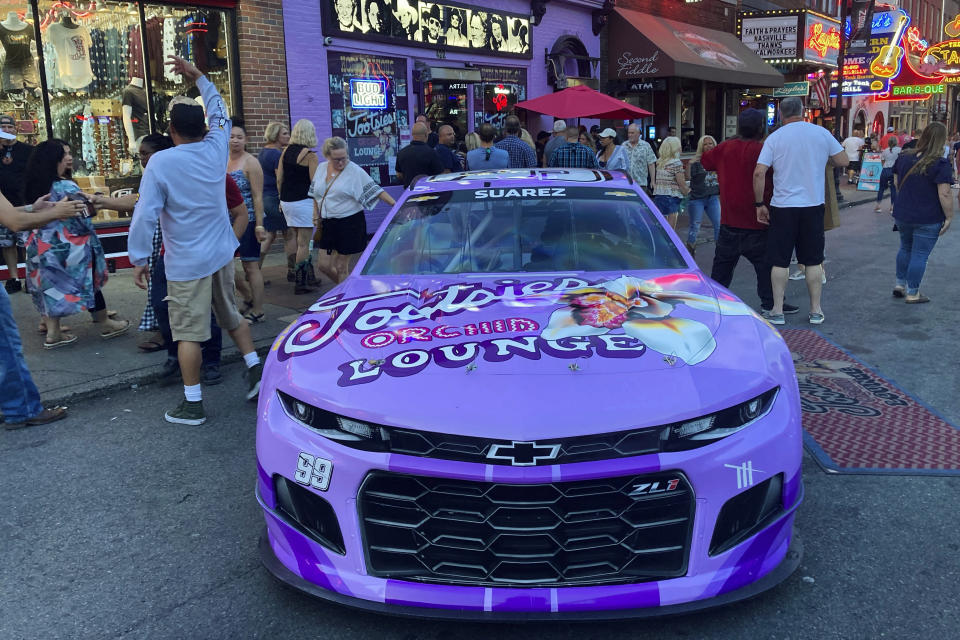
667 204
249 249
273 220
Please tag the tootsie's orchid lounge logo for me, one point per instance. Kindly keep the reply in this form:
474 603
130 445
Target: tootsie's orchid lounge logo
619 318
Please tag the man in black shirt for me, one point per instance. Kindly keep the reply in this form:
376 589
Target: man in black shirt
417 158
13 160
448 158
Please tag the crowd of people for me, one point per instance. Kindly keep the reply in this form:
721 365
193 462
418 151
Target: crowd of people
764 193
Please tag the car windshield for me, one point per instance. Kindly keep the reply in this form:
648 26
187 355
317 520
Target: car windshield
506 230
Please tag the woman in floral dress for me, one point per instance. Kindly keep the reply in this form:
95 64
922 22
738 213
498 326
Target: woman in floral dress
66 266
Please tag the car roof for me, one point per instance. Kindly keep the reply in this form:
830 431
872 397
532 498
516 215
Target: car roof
521 178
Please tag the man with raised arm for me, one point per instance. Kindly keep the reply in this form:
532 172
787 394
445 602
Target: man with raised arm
183 188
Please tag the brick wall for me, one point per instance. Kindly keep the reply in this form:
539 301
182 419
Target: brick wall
713 14
263 68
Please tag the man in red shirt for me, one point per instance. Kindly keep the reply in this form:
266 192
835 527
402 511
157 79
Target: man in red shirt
740 234
890 134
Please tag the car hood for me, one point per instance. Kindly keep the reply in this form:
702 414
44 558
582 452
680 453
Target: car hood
524 357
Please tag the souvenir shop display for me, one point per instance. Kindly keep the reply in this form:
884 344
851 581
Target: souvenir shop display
107 84
20 95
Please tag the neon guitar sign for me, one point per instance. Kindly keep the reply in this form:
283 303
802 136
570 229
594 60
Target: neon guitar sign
887 62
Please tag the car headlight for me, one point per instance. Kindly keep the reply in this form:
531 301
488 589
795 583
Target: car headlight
690 434
359 434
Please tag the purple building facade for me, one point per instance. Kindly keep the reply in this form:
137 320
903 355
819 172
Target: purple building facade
364 69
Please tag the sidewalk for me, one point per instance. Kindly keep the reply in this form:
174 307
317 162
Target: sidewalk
92 366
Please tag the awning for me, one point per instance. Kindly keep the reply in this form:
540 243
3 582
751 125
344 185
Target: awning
645 46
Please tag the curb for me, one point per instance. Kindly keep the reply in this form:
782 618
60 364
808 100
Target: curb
853 203
134 379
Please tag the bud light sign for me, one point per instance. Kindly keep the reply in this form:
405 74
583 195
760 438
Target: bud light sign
366 93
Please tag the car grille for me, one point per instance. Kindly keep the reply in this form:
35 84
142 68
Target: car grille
625 529
603 446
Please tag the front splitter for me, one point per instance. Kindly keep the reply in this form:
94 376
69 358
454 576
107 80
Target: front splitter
780 573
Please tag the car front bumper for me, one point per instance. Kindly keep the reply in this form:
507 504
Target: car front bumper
716 473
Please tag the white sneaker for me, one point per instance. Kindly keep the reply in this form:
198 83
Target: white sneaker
799 275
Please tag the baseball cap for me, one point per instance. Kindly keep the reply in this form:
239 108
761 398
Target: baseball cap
889 129
7 119
608 133
559 126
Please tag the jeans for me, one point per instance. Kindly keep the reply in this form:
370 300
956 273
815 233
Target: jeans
751 244
19 397
886 178
916 243
158 291
695 209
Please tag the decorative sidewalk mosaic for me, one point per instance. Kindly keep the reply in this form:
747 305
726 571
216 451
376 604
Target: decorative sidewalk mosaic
856 421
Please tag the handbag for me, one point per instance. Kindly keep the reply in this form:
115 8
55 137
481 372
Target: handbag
318 232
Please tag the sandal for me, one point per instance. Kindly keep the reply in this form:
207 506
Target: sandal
899 292
111 314
254 318
920 299
113 334
149 346
62 342
246 307
42 328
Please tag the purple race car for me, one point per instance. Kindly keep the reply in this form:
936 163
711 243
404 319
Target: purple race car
528 402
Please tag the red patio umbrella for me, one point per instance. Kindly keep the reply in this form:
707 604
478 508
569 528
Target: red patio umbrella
582 102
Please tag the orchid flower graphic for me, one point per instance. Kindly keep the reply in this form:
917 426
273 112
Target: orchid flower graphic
642 309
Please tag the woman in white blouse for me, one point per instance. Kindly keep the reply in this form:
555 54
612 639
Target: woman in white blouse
341 191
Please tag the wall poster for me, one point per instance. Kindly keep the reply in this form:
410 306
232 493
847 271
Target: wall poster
493 98
373 134
426 24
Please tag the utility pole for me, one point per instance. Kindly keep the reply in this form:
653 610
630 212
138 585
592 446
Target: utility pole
838 117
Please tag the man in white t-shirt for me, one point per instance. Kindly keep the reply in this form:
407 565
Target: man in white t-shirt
798 152
852 145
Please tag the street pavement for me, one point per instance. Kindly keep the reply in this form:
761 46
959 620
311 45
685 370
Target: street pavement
115 524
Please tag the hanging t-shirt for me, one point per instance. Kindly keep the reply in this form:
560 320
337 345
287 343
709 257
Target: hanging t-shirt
73 54
136 98
19 68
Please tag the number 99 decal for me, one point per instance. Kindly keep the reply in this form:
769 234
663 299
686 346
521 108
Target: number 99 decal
313 471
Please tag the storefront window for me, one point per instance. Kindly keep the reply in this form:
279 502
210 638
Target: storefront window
199 35
689 130
91 57
368 108
20 94
446 103
494 97
100 66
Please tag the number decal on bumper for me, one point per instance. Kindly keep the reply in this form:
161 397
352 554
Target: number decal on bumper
313 471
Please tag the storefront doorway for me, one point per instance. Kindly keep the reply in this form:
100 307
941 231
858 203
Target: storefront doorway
446 103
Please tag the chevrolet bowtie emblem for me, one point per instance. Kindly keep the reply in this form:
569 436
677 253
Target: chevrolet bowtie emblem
523 454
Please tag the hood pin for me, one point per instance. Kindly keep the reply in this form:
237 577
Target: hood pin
670 360
573 366
375 363
471 367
